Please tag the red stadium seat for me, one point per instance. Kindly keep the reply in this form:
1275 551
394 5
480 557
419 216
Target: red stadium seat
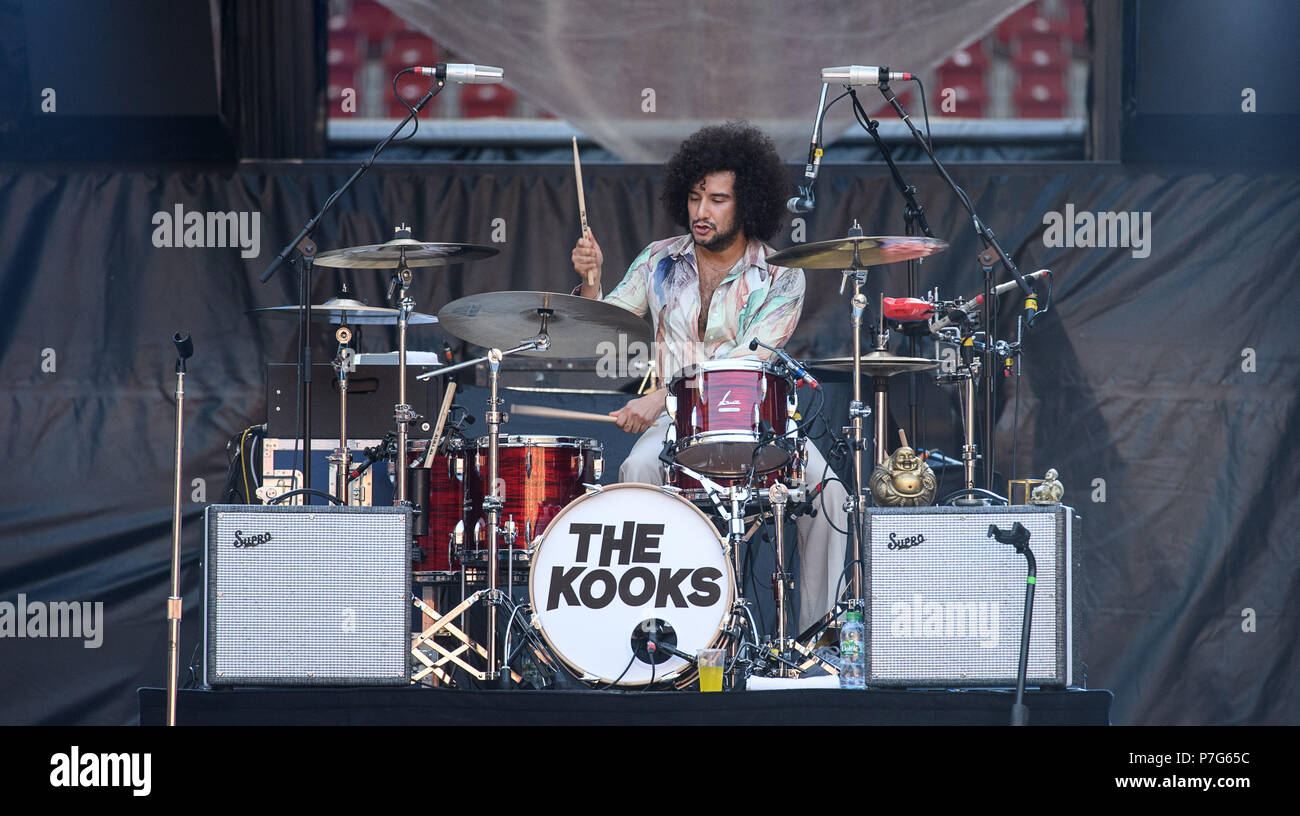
374 21
486 100
971 57
340 78
1040 52
1041 96
1018 23
960 94
1078 22
344 50
409 48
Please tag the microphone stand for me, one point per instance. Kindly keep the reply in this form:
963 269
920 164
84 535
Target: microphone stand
184 350
913 216
992 253
306 248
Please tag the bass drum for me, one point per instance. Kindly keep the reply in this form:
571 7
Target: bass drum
621 565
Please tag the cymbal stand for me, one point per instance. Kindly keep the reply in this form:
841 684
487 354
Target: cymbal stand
402 412
492 501
858 412
341 458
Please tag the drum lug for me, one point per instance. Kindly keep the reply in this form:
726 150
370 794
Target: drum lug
695 417
599 469
528 531
670 404
528 461
593 488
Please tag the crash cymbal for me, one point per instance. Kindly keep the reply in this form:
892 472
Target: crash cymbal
416 253
578 327
874 364
857 252
345 310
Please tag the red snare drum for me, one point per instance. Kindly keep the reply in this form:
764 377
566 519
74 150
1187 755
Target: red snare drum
447 502
537 477
718 407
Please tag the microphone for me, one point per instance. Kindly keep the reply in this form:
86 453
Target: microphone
653 646
464 73
801 203
799 370
862 75
804 202
971 305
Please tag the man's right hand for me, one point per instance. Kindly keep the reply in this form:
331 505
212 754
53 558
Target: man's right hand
587 260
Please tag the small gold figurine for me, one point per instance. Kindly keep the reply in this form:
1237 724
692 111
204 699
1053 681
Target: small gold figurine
1050 491
903 480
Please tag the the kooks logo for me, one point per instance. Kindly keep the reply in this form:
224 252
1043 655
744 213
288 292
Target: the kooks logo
1102 229
595 587
95 770
243 542
905 542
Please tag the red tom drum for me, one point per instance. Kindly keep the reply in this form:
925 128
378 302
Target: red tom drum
719 409
452 491
537 477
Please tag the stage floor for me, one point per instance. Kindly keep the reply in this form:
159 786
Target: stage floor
424 706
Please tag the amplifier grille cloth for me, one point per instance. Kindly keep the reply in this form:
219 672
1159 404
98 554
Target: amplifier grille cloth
324 598
951 606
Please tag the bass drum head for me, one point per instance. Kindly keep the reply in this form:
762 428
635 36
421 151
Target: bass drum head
616 560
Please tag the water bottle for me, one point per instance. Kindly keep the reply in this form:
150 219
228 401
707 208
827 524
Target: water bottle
853 657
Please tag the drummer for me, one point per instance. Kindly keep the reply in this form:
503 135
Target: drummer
710 292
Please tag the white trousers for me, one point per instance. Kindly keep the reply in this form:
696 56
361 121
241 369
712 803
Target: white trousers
821 548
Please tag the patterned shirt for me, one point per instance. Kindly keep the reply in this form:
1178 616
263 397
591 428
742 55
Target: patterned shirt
754 300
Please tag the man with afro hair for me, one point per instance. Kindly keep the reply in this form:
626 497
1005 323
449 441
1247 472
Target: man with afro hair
709 293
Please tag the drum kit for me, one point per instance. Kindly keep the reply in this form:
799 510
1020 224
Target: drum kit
624 582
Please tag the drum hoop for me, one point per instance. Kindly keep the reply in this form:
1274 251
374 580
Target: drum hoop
541 441
532 573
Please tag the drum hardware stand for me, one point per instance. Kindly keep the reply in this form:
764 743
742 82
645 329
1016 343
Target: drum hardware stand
492 503
991 255
425 640
966 375
306 247
341 459
856 505
402 413
184 350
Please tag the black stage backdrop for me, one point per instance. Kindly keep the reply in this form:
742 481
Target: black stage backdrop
1162 386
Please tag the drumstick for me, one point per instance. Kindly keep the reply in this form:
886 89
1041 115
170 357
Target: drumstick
558 413
437 429
582 200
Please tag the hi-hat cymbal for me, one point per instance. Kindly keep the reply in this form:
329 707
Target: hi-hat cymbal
345 311
415 253
857 252
874 364
578 327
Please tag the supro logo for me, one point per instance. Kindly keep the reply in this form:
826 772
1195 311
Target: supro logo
242 541
906 542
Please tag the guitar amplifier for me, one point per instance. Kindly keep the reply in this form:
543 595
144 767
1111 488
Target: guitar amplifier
307 595
947 601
